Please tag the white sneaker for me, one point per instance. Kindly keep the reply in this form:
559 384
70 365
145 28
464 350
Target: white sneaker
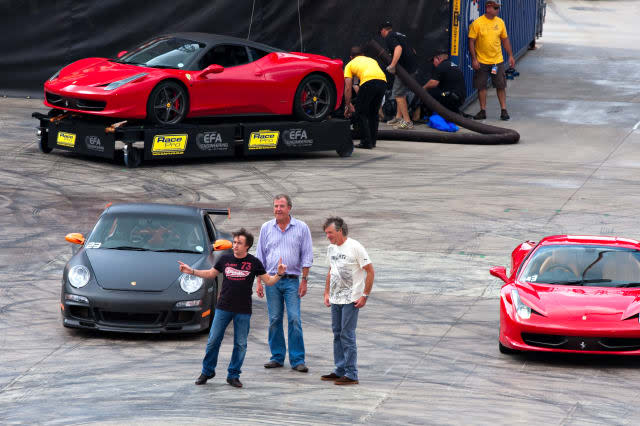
394 120
404 125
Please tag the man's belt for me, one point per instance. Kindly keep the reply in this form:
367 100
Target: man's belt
290 276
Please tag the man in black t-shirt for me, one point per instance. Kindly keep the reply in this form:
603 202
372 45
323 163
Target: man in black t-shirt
234 304
402 53
447 83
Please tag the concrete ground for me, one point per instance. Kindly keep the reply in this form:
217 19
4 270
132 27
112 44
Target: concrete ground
434 218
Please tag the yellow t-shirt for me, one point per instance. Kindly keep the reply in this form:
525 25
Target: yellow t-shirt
488 34
365 69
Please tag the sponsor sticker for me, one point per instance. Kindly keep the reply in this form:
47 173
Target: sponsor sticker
211 141
264 139
297 138
66 139
169 144
94 143
93 245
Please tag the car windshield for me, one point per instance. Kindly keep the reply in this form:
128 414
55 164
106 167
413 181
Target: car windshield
164 53
148 232
587 265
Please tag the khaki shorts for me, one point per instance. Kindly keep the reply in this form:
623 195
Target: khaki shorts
400 89
481 76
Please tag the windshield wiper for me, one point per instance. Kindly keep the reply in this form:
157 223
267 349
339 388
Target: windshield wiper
580 282
160 66
629 285
127 248
177 251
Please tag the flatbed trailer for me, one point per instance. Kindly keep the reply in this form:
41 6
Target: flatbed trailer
99 137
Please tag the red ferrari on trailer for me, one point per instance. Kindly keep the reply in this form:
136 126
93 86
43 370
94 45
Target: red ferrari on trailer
572 294
184 75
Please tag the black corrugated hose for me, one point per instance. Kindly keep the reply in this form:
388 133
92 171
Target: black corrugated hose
489 135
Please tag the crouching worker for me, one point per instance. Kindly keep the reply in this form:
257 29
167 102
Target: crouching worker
447 83
234 304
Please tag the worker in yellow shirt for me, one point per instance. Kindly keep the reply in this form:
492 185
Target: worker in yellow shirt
487 36
373 84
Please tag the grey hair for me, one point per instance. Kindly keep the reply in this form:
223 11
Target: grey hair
286 197
338 223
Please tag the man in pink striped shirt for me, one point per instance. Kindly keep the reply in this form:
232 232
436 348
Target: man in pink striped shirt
289 239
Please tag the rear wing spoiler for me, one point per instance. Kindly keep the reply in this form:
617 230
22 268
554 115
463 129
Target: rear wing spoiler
226 212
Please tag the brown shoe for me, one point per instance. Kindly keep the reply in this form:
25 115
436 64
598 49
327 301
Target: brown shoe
301 368
329 377
344 380
272 364
235 382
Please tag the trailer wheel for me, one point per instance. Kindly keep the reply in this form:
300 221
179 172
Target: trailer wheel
43 145
345 151
132 157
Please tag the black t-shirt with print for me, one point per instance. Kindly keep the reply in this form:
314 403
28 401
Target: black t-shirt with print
237 285
408 59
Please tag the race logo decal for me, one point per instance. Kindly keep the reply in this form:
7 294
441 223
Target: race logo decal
211 141
93 143
264 139
169 144
233 273
66 139
297 138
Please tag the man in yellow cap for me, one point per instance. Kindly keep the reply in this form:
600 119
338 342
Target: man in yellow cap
487 36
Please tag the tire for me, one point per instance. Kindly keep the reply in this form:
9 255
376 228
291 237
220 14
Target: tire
315 98
168 103
43 145
132 157
505 350
345 151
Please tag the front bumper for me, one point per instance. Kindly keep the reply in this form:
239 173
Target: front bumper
137 312
126 102
591 335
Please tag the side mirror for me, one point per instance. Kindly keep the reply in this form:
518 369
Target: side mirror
499 272
222 245
211 69
122 53
75 238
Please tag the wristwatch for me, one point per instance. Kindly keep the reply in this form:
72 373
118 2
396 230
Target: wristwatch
366 296
304 278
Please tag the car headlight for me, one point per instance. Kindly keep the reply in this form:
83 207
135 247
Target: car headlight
79 276
116 84
523 310
190 283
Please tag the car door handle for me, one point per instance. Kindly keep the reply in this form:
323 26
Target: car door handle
259 73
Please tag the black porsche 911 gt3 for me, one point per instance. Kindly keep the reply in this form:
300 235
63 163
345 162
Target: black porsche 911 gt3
125 277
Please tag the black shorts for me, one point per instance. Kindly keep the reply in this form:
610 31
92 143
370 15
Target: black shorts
481 76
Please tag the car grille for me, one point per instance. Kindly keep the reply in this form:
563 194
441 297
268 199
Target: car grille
131 318
75 103
577 343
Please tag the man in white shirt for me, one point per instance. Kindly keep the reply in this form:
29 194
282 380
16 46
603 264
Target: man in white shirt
348 285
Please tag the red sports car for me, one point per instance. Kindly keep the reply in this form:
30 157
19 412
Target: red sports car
177 76
572 294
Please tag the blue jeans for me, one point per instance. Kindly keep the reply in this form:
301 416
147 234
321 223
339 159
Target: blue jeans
344 319
221 320
285 292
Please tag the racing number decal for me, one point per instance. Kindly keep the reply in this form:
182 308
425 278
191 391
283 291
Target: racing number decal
264 139
169 144
66 139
